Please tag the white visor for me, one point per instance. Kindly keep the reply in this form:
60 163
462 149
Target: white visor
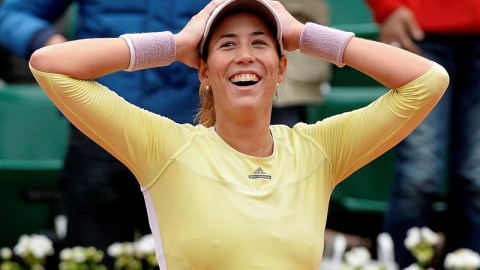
259 7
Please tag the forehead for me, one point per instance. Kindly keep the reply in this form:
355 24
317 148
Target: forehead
230 23
233 21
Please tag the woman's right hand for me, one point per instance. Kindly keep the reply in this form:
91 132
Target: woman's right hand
291 27
188 39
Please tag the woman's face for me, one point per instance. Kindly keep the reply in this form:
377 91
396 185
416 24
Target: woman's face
243 67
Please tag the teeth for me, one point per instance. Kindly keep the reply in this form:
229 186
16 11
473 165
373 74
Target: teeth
244 78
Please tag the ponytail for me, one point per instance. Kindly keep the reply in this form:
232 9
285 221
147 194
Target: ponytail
206 116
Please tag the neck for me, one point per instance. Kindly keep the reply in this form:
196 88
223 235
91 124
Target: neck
251 138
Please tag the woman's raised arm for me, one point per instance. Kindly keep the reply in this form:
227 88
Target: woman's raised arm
391 66
83 59
92 58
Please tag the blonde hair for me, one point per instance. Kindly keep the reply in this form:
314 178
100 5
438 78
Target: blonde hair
206 115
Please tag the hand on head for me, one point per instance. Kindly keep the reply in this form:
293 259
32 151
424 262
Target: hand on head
291 27
190 36
188 39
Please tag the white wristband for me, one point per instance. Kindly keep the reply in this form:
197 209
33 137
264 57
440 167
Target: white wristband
325 42
148 50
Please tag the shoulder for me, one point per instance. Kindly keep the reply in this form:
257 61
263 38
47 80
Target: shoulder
302 135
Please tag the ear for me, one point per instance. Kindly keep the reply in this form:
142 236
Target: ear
203 72
282 69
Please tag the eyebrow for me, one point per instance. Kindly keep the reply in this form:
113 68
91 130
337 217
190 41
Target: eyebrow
231 35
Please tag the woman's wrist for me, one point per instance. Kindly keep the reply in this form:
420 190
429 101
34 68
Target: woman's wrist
183 49
291 36
148 50
325 42
298 36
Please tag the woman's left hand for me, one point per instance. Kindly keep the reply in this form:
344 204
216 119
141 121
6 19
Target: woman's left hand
291 27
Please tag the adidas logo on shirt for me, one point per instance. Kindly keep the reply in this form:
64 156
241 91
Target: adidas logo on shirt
259 173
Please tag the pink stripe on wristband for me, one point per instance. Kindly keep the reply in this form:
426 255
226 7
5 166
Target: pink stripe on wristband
148 50
324 42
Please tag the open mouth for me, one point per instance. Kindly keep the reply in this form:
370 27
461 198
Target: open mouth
244 79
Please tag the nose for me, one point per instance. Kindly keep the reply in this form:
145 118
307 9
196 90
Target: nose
245 55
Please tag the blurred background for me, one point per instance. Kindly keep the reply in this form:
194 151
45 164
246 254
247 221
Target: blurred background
34 138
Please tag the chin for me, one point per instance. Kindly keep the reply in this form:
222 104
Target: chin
250 107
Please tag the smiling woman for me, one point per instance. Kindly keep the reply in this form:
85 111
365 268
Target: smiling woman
263 33
234 192
242 70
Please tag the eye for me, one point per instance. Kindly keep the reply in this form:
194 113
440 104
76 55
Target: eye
259 42
227 44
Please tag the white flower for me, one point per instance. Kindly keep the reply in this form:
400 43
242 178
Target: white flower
144 246
462 258
128 249
358 256
78 254
453 261
414 237
429 236
412 267
114 250
90 252
6 253
39 246
417 236
21 248
120 249
66 254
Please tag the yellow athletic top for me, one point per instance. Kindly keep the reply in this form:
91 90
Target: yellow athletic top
212 207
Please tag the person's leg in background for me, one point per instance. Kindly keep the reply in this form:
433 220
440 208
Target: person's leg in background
103 200
420 167
464 182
